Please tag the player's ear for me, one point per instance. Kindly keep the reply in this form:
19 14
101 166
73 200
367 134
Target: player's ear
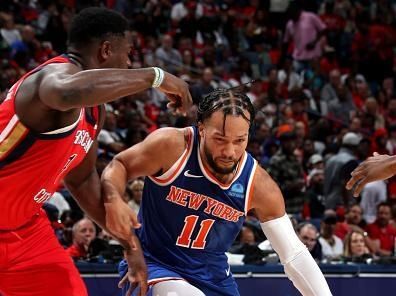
201 129
105 51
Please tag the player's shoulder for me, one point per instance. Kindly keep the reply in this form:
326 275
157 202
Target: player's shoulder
60 69
167 133
262 181
170 137
165 146
49 71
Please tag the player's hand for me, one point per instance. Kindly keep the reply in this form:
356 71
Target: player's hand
137 271
377 167
120 221
177 92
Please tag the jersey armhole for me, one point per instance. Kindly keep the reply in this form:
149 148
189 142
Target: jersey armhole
171 174
250 187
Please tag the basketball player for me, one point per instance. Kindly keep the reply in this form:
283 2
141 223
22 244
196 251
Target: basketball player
374 168
201 183
48 127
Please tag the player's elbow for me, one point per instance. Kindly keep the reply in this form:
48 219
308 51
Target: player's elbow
114 168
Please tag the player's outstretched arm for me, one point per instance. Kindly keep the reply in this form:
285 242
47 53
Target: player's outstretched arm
267 202
64 86
377 167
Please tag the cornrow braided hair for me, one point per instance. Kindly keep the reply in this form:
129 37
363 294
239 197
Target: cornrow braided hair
231 101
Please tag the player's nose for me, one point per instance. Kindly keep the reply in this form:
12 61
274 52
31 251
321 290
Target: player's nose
229 151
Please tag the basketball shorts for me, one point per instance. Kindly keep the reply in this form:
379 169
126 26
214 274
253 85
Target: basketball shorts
32 262
158 273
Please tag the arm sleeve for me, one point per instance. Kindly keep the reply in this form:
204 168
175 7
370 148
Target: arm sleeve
298 263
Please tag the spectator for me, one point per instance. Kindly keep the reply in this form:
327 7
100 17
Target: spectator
337 171
335 24
68 219
315 193
204 86
332 245
306 30
372 194
288 173
342 107
179 10
316 162
60 202
83 233
330 91
308 234
381 231
248 245
23 50
136 191
371 108
391 112
391 143
108 138
168 57
8 31
355 248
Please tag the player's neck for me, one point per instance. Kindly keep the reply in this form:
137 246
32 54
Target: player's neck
224 178
81 58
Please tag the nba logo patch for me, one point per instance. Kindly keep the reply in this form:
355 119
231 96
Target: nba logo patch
237 190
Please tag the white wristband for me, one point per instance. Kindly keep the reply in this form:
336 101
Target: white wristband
159 77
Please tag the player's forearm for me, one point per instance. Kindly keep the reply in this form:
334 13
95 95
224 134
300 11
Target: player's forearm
89 198
392 164
306 275
114 180
299 265
94 87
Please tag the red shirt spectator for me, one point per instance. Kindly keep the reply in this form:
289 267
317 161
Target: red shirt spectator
76 251
382 231
84 232
386 235
353 221
342 229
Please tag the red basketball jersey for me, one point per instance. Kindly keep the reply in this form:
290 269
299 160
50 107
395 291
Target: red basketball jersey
32 164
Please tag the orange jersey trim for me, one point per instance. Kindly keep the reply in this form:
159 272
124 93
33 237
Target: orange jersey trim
187 153
250 188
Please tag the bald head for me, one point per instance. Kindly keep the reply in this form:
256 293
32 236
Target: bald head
308 235
83 232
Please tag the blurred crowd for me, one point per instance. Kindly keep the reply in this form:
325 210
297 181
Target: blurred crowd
321 74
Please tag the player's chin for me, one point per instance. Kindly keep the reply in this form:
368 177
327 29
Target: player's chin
225 168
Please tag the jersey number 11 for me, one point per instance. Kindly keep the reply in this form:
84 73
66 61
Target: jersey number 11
184 239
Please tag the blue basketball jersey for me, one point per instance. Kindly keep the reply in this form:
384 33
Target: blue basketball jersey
189 219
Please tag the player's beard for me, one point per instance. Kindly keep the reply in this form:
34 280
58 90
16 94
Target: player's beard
215 167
